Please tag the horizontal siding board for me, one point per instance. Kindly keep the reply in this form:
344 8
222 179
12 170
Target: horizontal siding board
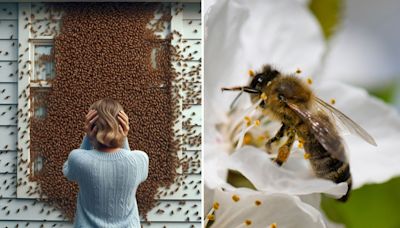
10 158
176 211
8 51
9 96
8 71
8 186
8 29
188 188
8 11
8 114
165 211
8 140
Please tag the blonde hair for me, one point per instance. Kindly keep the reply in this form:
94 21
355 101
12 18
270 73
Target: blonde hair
108 132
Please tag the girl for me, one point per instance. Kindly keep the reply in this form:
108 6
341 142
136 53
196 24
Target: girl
107 174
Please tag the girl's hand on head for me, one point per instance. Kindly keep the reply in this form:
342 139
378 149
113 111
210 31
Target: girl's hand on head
124 123
90 119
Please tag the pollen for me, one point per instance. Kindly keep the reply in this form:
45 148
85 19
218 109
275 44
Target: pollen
216 205
257 202
298 71
273 225
257 123
309 81
307 155
248 120
248 138
247 222
235 198
251 73
211 217
333 101
264 96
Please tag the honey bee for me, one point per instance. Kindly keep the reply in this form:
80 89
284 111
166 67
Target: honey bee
288 99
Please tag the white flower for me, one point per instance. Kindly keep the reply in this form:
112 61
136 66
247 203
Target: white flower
365 49
243 35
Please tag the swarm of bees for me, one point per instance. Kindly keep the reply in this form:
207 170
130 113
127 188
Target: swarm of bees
105 51
288 99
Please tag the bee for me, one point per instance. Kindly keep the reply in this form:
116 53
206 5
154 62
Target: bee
288 99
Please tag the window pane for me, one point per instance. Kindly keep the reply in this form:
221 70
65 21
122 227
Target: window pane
44 62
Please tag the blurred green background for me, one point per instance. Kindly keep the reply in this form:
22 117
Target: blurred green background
376 205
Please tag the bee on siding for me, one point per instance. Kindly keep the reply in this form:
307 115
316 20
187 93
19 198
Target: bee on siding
288 99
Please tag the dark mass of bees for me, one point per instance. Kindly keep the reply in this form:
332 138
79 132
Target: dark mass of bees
104 50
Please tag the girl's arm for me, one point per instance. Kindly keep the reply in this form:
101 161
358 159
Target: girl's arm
86 145
126 144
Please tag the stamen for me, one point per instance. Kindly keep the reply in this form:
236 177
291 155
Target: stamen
309 81
300 145
257 123
248 120
307 155
247 222
298 71
257 202
211 217
235 198
273 225
248 138
216 205
333 101
251 73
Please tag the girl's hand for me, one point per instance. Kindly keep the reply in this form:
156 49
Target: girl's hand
91 117
124 123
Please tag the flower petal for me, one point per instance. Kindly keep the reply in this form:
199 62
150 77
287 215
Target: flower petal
262 210
266 176
368 164
365 50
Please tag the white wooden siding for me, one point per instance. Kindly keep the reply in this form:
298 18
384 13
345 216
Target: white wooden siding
180 207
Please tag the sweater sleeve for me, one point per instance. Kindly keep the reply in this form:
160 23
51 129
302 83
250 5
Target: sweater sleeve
70 166
126 144
144 165
86 145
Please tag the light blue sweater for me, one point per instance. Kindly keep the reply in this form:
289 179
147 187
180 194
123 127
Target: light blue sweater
107 185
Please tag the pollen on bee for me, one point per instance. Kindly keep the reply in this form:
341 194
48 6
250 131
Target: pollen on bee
235 198
247 222
309 81
333 101
257 202
211 217
307 155
216 205
273 225
298 71
248 137
264 96
251 73
248 120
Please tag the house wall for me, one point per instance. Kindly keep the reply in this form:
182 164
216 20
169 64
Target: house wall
180 209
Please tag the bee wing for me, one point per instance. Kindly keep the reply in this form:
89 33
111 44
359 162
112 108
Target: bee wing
325 134
345 122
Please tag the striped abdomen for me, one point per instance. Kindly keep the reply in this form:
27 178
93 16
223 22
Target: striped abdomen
327 167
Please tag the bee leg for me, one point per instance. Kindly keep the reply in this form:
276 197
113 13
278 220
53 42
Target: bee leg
277 137
284 150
